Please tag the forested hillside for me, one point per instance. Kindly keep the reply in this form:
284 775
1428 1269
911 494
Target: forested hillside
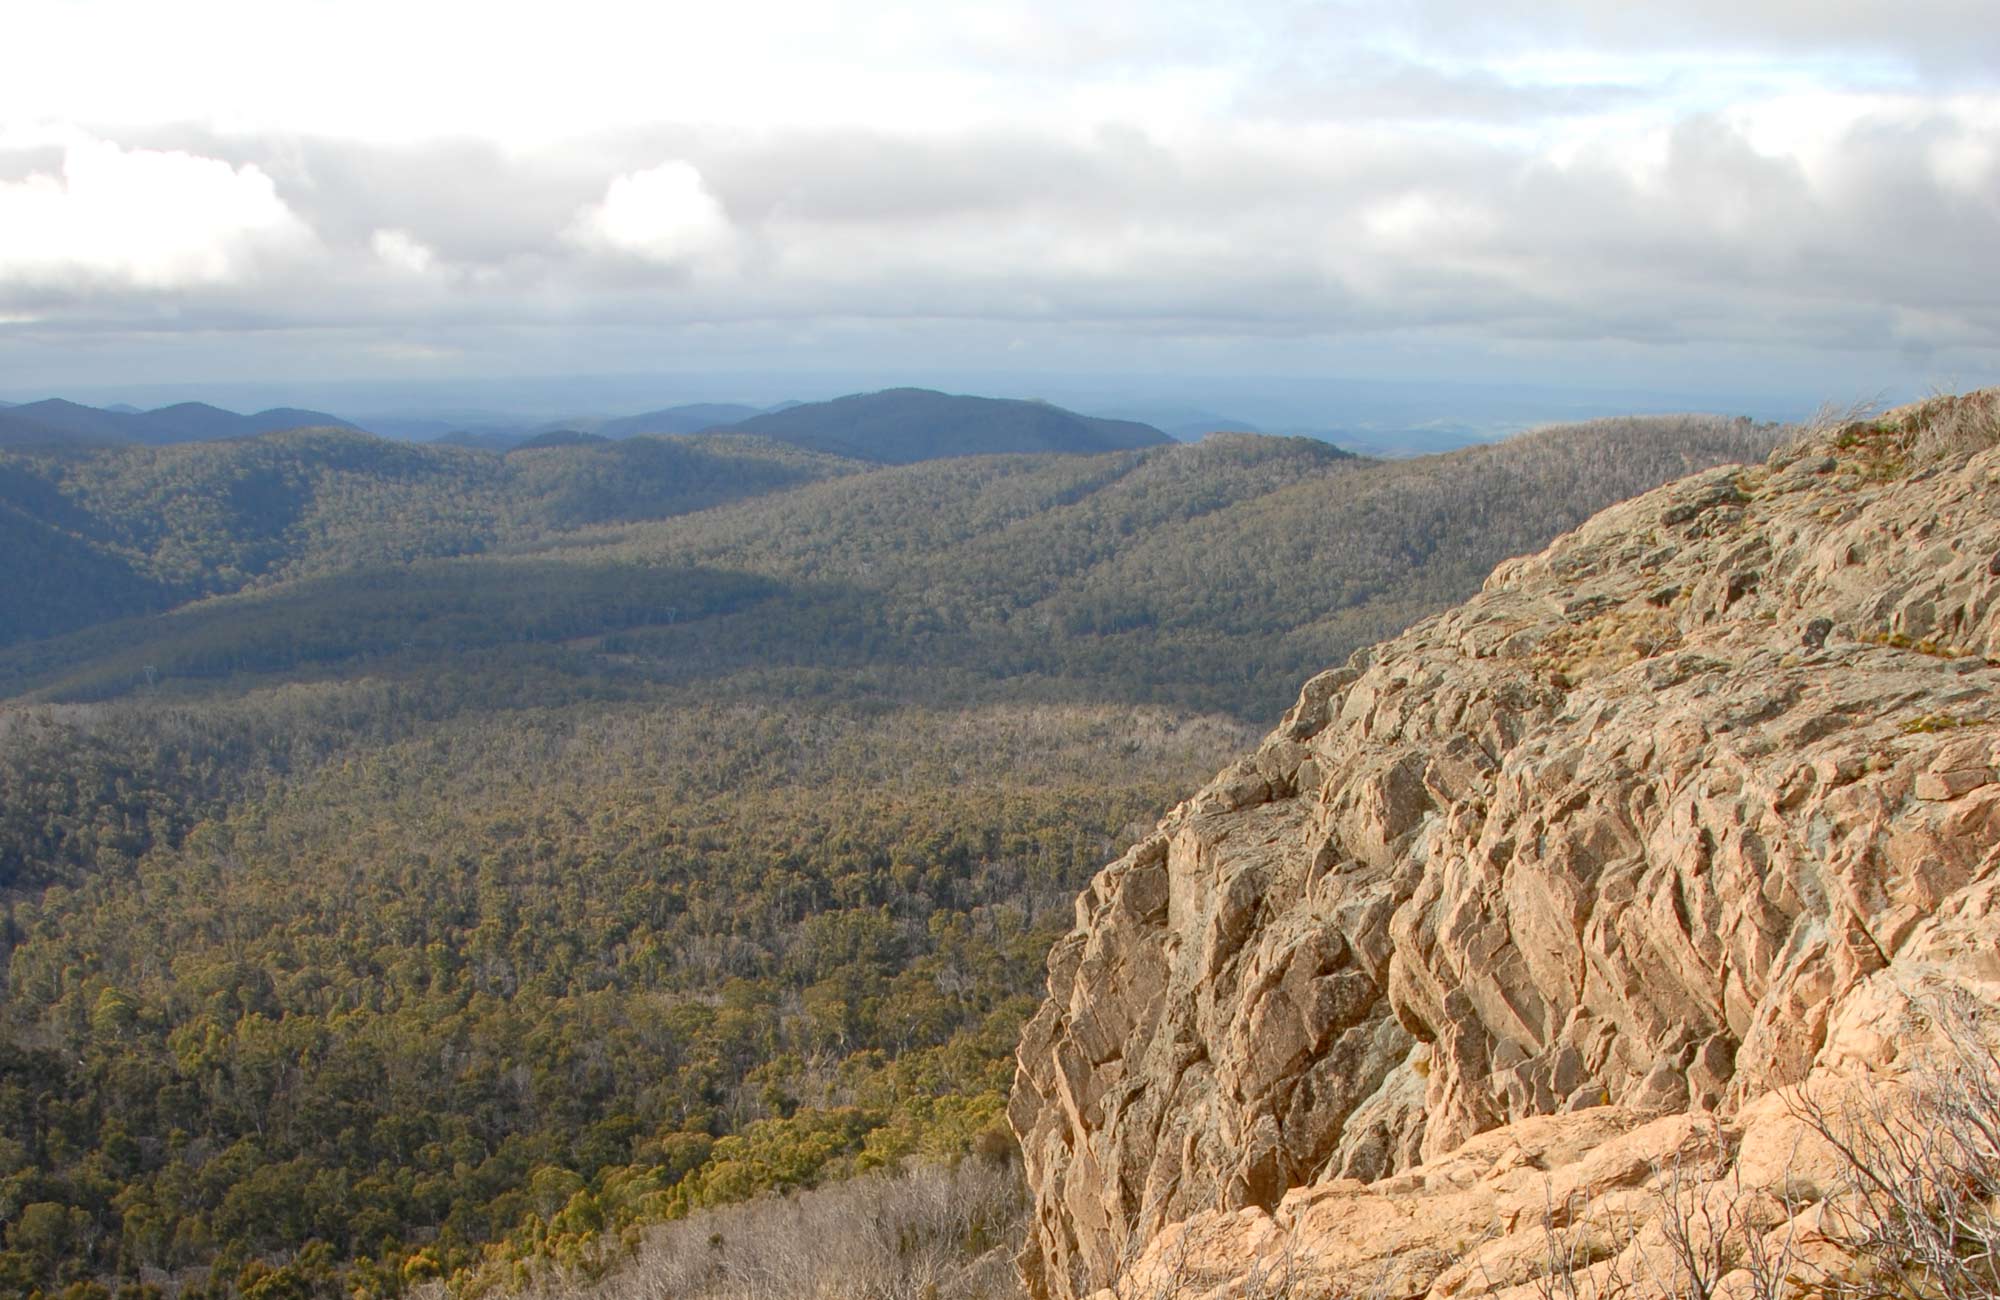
392 998
103 533
1212 575
420 863
902 425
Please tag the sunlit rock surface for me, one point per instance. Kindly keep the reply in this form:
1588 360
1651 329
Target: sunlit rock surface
1554 889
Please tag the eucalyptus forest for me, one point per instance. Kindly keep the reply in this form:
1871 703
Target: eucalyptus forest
424 865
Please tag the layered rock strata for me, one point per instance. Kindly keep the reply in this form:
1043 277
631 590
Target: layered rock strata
1643 830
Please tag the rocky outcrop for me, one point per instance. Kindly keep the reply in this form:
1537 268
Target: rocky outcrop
1644 831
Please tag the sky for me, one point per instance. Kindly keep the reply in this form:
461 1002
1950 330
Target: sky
1796 197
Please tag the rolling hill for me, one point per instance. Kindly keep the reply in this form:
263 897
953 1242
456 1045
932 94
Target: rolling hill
559 438
1203 575
900 425
696 418
668 422
155 527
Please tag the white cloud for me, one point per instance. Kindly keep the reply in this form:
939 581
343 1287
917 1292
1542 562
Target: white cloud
144 218
1814 174
403 251
664 215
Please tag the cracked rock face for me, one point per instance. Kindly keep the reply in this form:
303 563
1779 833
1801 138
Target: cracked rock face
1634 831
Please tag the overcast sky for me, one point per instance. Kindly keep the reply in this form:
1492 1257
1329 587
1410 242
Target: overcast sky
1707 194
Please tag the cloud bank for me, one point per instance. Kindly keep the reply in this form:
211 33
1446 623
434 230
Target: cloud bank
1679 185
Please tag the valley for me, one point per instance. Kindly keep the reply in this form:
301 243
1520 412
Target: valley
431 865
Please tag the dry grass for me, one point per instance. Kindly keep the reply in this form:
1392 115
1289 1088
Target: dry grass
1880 447
1610 641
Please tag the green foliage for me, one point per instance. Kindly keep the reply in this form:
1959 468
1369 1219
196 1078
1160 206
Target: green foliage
422 864
535 976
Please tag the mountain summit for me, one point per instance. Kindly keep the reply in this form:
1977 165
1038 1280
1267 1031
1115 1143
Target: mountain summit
1589 893
901 425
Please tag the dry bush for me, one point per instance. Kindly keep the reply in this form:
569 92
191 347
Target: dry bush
1813 432
1922 1170
1889 444
1917 1209
928 1232
1708 1228
1957 426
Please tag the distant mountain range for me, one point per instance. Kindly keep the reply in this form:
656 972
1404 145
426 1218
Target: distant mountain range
561 438
61 422
1022 551
478 439
487 435
895 427
680 419
1191 423
900 426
